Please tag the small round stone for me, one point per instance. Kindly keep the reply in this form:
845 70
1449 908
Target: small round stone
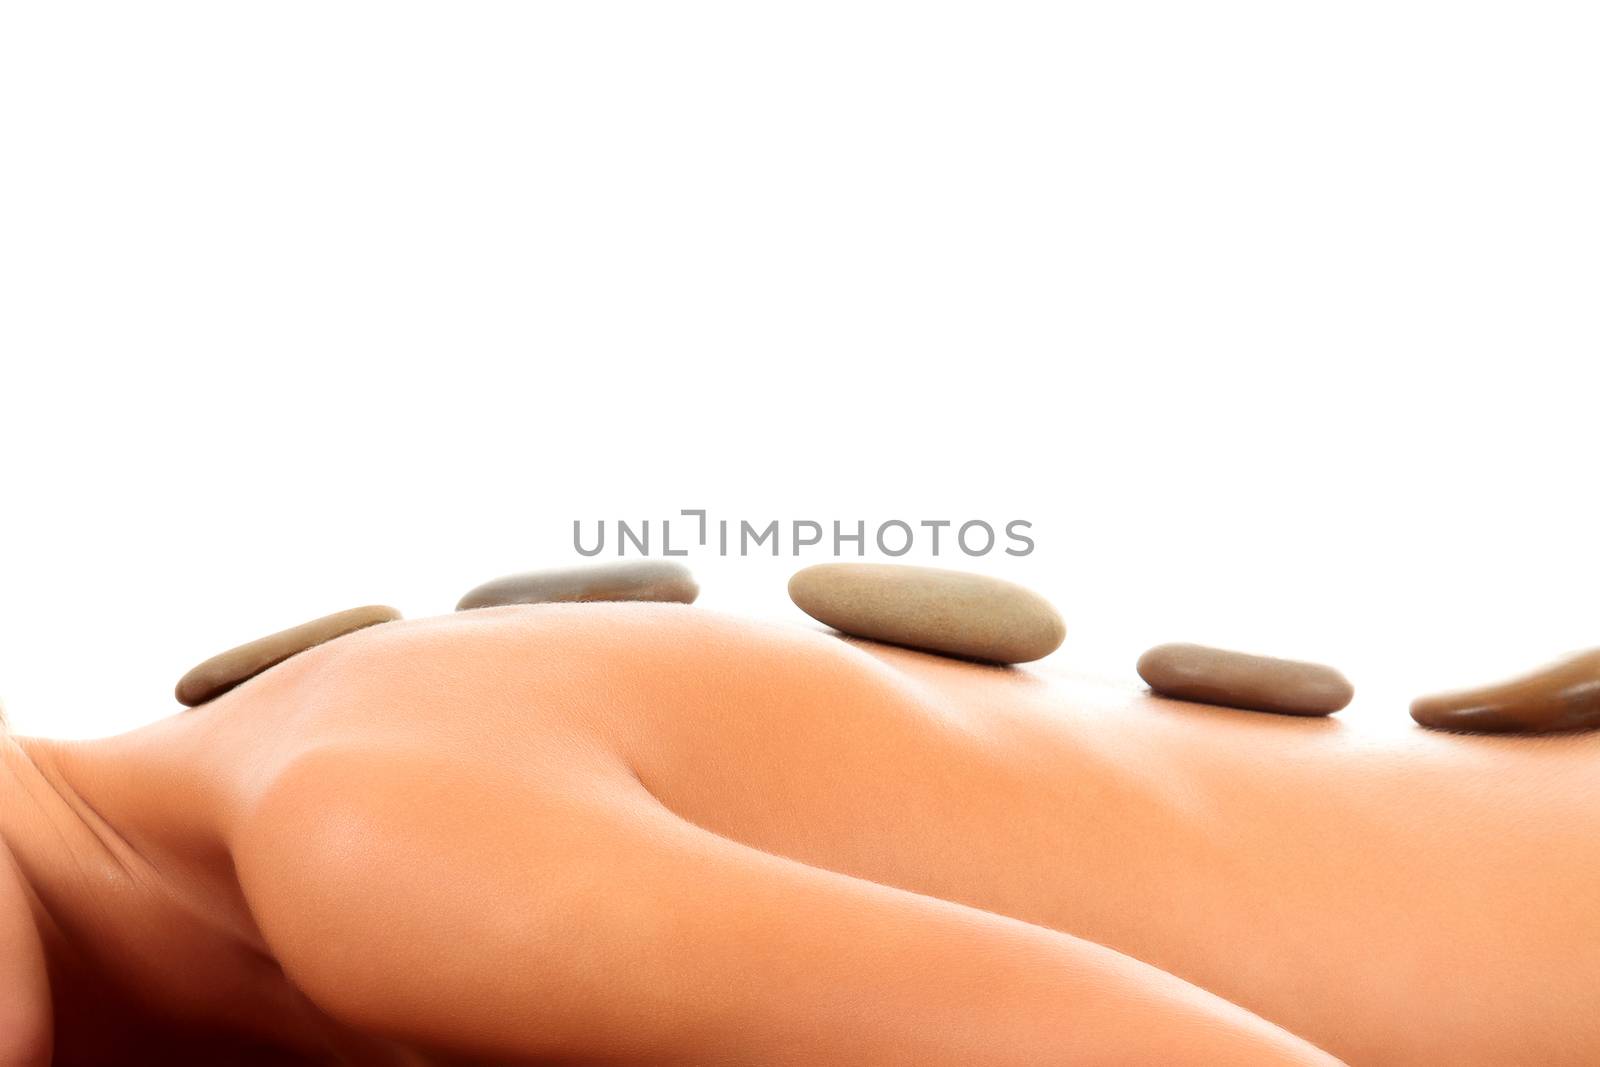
653 580
222 672
951 612
1564 695
1242 680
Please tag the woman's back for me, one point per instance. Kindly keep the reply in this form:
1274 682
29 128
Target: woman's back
458 832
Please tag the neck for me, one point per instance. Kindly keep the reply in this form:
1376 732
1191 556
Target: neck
116 882
26 1019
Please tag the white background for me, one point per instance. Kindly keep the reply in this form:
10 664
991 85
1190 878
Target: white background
1278 321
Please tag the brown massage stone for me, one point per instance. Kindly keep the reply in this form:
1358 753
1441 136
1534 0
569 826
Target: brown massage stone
1564 695
651 580
950 612
1242 680
222 672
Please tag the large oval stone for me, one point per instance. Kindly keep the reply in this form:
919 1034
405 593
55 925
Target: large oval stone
1564 695
222 672
1243 680
653 580
952 612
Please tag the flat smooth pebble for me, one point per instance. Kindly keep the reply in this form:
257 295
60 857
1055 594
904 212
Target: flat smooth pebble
1564 695
951 612
651 580
222 672
1242 680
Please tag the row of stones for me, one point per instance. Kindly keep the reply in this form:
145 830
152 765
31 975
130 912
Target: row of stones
979 618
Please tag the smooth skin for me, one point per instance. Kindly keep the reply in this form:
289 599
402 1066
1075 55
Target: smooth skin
651 834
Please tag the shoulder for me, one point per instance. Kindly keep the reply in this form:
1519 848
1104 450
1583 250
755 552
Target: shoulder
386 880
348 877
337 820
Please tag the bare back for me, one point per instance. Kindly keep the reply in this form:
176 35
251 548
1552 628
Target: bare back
1394 899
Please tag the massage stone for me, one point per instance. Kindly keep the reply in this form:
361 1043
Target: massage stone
650 580
979 618
1241 680
950 612
1564 695
222 672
